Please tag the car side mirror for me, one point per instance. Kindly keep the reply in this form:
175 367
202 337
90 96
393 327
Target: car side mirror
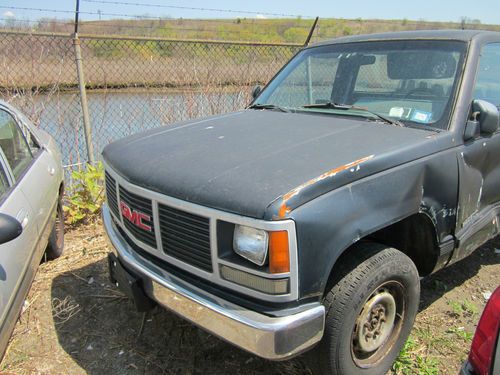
487 115
10 228
256 91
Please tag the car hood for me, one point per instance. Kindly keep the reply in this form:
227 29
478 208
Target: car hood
263 163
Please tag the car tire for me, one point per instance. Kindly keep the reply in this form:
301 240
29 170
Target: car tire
55 246
370 309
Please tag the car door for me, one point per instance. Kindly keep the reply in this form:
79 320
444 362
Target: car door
16 256
479 163
40 182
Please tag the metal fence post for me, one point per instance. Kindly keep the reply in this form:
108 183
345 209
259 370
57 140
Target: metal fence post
83 92
83 100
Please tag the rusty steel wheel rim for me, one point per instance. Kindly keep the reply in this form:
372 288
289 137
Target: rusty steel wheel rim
378 324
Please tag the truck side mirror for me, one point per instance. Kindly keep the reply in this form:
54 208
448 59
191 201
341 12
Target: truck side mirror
256 91
487 115
10 228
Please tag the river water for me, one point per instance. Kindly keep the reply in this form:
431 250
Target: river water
115 115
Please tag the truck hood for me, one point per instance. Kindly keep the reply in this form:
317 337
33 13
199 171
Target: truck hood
263 163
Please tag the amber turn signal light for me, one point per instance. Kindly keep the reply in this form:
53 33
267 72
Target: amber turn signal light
279 254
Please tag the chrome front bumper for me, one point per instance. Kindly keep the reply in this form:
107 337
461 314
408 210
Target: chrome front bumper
275 338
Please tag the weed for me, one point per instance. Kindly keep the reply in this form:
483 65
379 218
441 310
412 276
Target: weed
86 197
426 365
404 362
469 307
465 308
456 307
461 333
431 340
410 362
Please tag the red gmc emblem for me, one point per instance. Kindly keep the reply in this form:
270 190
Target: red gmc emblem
139 219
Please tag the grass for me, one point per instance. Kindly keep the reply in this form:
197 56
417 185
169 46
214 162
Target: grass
464 307
460 333
426 346
410 361
404 362
430 346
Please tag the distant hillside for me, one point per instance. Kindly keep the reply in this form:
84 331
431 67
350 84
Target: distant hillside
242 29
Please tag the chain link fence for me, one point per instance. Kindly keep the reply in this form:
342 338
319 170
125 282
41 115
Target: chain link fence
132 84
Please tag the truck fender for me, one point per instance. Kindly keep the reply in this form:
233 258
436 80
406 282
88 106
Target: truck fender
330 224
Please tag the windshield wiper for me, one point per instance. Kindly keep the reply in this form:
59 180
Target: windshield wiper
269 106
348 107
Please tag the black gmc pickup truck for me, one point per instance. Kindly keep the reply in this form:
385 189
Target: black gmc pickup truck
306 220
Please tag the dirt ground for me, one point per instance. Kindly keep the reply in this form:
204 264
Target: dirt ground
75 322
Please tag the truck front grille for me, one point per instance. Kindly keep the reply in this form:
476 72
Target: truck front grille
185 236
111 194
139 204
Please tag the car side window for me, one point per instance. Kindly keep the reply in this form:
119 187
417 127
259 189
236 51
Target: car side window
32 143
13 144
4 183
488 77
30 138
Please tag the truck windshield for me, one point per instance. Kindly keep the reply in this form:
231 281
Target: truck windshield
408 82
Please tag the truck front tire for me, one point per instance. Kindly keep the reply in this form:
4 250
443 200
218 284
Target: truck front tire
371 306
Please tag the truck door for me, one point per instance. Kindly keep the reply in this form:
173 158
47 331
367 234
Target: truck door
479 166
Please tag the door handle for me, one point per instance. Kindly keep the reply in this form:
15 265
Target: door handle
23 217
25 221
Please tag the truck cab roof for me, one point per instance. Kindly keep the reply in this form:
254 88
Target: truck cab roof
459 35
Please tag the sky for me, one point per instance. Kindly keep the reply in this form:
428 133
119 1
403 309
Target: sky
487 11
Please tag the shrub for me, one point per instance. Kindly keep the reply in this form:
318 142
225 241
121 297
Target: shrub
87 195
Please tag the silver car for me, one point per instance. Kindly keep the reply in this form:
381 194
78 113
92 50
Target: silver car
31 218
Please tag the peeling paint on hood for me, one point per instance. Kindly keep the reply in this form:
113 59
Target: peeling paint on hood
352 166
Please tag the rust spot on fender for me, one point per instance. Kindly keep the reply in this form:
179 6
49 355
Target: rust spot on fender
285 209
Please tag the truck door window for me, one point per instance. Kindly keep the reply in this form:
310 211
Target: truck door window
13 144
488 76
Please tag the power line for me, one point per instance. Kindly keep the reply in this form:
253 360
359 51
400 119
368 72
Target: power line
145 17
80 12
39 9
195 8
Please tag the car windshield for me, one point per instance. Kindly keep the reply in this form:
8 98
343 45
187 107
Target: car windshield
405 82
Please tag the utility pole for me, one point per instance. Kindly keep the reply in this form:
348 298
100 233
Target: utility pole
83 93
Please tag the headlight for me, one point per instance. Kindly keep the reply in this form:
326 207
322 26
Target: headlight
251 243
